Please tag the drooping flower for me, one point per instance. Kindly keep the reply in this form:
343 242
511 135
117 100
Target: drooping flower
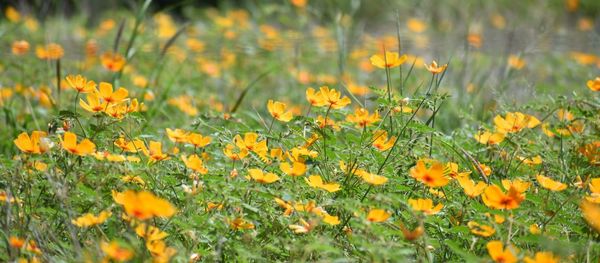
425 205
389 60
550 184
33 144
69 143
278 111
317 182
430 172
144 205
263 177
362 118
378 215
500 254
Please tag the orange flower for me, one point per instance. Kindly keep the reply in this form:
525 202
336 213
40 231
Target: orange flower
51 51
177 135
471 189
195 163
20 47
277 110
516 62
251 143
80 83
378 215
240 224
69 143
487 137
198 140
315 98
389 60
110 97
543 257
494 198
317 182
591 214
425 205
381 141
481 230
155 152
515 122
230 151
144 205
362 118
33 144
550 184
93 104
432 176
90 219
594 84
435 69
112 61
116 251
262 177
333 98
499 254
372 179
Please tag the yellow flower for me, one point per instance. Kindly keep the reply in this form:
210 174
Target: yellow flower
130 146
69 143
262 177
144 205
425 205
543 257
378 215
370 178
251 143
195 163
12 14
591 214
177 135
481 230
317 182
494 198
594 84
471 189
240 224
389 60
112 61
381 141
150 233
294 169
160 251
534 229
499 254
519 185
435 69
230 151
487 137
331 220
20 47
51 51
155 152
595 189
80 83
90 219
432 176
550 184
116 251
322 123
333 98
110 97
133 179
33 144
277 110
531 161
198 140
416 25
515 122
315 98
516 62
93 103
362 118
303 228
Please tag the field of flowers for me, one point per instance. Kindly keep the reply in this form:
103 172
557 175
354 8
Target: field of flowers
331 131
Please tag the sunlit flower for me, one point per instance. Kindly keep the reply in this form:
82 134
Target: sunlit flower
293 169
435 69
130 146
263 177
235 153
315 98
390 60
144 205
240 224
109 96
362 118
543 257
430 172
177 135
155 152
93 104
500 254
12 14
471 189
333 98
370 178
160 251
591 214
515 122
69 143
493 197
481 230
378 215
425 205
381 141
149 232
51 51
303 227
594 84
250 143
278 111
20 47
550 184
90 219
112 61
487 137
80 83
195 163
33 144
322 123
116 251
518 184
317 182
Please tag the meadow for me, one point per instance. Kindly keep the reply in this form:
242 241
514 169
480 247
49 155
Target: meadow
294 131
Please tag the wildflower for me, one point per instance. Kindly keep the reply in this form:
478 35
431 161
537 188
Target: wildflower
294 169
262 177
389 60
69 143
315 98
378 215
471 189
316 182
20 47
516 62
160 251
595 189
130 146
195 163
535 160
452 171
500 254
51 51
303 228
416 25
150 233
322 123
277 110
155 152
543 257
240 224
331 220
372 179
333 98
435 69
381 141
16 242
12 14
425 205
93 104
519 185
33 144
489 138
133 179
594 84
515 122
109 96
550 184
534 229
251 143
412 235
80 83
432 176
493 197
144 205
481 230
591 214
362 118
112 61
230 152
177 135
90 219
198 140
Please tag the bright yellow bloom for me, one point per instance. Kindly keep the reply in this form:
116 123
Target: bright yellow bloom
550 184
293 169
487 137
12 14
133 179
154 152
322 123
195 163
531 161
494 198
432 176
116 251
109 96
233 154
278 111
595 188
69 143
150 233
372 179
93 103
198 140
333 98
20 47
516 62
378 215
416 25
315 98
112 61
51 51
317 182
519 185
591 214
144 205
240 224
262 177
381 141
131 146
251 143
471 189
425 205
80 83
160 251
481 230
33 144
543 257
499 254
515 122
594 84
435 69
362 118
452 171
390 60
90 219
303 228
331 220
177 135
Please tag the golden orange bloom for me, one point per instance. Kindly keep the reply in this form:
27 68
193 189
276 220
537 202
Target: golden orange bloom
471 189
416 25
69 143
500 254
487 137
591 214
494 198
20 47
233 154
381 141
370 178
430 172
144 205
296 168
12 14
434 68
198 140
303 228
481 230
322 123
116 251
389 60
315 98
299 3
250 143
594 84
112 61
150 233
51 51
425 205
240 223
161 253
155 152
317 182
90 219
262 177
519 185
515 122
550 184
93 104
278 111
516 62
333 98
543 257
362 118
195 163
33 144
130 146
177 135
378 215
80 83
109 96
595 189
